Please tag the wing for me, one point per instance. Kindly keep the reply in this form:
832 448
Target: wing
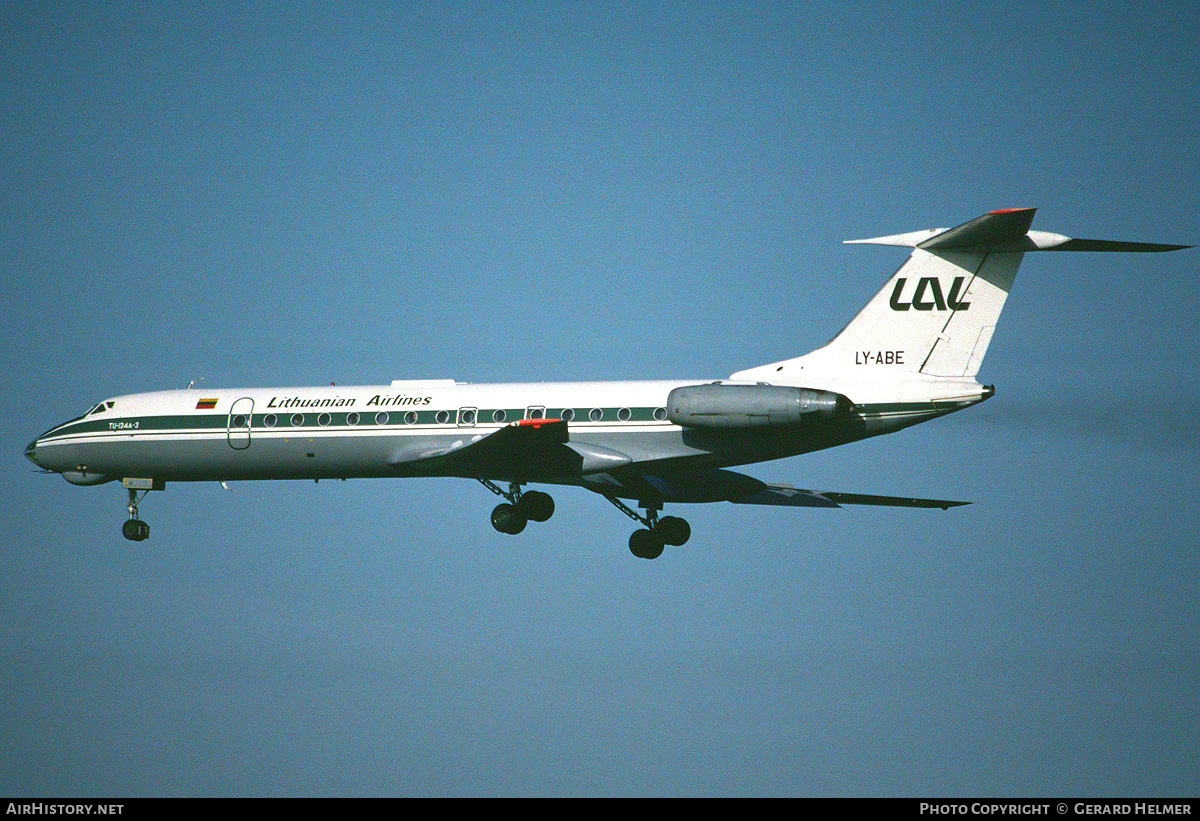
528 450
792 497
529 441
533 446
727 486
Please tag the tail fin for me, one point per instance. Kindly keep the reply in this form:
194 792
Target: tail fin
936 315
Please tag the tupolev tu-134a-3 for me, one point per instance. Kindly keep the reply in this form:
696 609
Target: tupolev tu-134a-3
910 355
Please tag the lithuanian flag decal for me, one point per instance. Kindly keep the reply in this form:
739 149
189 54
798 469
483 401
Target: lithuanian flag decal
206 404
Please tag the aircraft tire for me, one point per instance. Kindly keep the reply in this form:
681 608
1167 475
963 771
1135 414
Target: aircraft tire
537 506
673 530
135 530
645 544
508 519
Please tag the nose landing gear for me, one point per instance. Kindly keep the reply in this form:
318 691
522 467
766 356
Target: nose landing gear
135 529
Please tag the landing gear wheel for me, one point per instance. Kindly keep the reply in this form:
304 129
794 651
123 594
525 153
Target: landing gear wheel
537 506
508 519
135 530
645 544
673 530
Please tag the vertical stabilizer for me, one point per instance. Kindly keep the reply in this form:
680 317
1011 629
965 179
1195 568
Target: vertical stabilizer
936 315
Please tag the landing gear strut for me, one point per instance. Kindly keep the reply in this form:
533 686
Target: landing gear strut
135 529
648 543
512 516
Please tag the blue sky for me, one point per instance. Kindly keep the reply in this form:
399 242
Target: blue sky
502 192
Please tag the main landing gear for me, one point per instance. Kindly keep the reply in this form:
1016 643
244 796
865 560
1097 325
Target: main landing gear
648 542
520 508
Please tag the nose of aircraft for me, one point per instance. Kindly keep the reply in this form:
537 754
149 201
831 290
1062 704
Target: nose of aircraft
31 451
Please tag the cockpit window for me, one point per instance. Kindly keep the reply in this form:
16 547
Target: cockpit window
100 408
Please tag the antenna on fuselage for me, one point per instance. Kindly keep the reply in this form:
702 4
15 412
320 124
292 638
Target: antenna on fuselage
193 382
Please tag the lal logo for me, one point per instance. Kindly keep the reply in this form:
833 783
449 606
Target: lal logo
929 288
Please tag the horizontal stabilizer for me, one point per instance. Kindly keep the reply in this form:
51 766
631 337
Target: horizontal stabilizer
1006 231
995 227
991 228
1112 245
788 496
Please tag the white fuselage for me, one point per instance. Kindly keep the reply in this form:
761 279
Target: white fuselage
366 431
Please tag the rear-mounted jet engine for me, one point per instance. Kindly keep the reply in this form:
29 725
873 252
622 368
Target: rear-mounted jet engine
720 405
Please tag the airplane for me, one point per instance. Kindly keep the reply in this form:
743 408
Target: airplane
910 355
